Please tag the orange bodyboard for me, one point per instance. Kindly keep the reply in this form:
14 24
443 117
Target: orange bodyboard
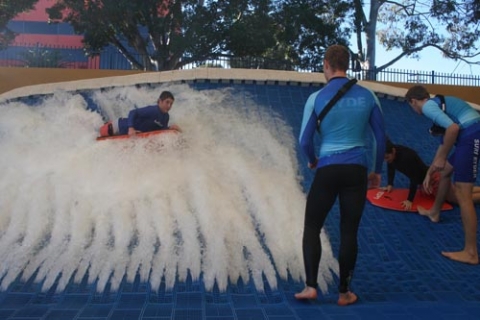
393 200
138 135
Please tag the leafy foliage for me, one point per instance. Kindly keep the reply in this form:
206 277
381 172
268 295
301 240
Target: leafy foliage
8 10
307 28
450 26
472 11
43 58
167 34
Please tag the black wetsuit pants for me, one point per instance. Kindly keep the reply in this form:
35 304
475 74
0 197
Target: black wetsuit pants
349 183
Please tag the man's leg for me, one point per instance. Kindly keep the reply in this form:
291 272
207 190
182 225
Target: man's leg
320 199
469 254
352 203
443 188
476 194
452 198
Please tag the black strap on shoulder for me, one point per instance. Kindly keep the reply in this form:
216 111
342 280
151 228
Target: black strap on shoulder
334 100
442 102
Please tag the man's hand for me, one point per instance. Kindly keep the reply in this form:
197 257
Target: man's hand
374 180
388 188
427 188
407 204
131 131
313 165
438 164
175 127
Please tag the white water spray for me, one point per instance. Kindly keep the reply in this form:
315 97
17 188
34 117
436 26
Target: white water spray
220 201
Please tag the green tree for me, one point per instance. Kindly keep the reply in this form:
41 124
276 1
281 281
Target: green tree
168 34
449 26
155 34
306 28
249 27
148 33
473 10
8 10
39 57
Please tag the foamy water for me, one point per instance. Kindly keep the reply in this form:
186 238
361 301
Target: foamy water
220 201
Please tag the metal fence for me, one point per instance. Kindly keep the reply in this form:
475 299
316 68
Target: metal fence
37 56
411 76
28 55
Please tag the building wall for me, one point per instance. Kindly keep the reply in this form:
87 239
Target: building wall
36 34
33 28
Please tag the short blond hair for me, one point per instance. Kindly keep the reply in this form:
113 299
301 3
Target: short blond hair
337 57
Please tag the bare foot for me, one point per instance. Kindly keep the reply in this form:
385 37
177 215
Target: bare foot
434 216
347 298
307 293
462 256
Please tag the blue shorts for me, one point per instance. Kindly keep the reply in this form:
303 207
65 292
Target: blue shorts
465 158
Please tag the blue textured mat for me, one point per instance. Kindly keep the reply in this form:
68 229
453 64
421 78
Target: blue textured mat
400 273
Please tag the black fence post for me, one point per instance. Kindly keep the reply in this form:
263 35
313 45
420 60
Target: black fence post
433 77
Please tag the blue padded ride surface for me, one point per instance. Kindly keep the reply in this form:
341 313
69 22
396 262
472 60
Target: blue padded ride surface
400 273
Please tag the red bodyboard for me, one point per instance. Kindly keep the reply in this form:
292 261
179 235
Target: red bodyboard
393 200
138 135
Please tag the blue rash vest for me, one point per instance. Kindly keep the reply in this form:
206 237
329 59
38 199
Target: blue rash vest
347 127
457 111
149 118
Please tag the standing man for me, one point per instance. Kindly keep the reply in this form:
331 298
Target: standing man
341 168
462 129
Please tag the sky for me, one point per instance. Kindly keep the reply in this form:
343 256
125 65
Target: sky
430 60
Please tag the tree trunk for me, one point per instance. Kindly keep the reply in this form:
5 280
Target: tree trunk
370 37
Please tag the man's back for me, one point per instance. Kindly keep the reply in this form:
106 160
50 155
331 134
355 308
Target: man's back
344 130
345 127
